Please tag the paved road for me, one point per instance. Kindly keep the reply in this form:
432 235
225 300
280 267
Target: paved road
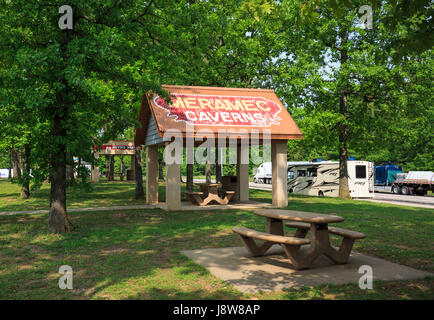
399 199
414 201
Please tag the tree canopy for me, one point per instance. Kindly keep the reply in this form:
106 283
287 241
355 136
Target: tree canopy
357 91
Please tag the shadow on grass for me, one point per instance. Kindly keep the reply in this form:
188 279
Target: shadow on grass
113 255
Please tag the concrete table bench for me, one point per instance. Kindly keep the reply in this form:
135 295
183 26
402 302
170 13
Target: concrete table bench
247 235
319 238
208 193
303 229
195 196
349 236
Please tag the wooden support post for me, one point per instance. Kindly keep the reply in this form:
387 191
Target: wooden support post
173 187
279 177
152 174
243 172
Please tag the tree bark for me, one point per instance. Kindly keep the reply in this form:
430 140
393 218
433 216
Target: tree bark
107 167
79 168
69 172
344 191
112 168
25 188
58 221
139 193
10 164
122 169
16 163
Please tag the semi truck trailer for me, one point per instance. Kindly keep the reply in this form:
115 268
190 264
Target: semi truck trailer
413 182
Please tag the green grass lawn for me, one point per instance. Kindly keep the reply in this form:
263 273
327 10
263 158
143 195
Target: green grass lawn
100 195
135 254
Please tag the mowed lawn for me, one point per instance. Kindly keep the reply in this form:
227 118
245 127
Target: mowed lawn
101 194
135 254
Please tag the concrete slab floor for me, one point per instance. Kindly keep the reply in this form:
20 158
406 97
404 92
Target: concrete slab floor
273 272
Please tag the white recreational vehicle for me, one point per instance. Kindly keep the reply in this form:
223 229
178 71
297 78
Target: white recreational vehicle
322 178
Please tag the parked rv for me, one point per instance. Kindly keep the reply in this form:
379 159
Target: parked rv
414 182
385 175
322 178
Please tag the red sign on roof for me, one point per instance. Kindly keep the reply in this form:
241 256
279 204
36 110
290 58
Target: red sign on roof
216 110
240 112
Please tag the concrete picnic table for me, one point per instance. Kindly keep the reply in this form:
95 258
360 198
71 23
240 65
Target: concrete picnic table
319 242
209 192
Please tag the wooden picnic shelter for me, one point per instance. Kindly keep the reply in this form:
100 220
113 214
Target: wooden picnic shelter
241 113
113 148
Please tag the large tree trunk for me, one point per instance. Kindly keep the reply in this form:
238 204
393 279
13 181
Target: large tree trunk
79 168
344 191
112 168
16 163
10 164
121 176
139 173
107 167
25 189
58 220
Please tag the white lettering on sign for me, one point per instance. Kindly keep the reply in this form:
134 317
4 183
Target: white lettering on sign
221 110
